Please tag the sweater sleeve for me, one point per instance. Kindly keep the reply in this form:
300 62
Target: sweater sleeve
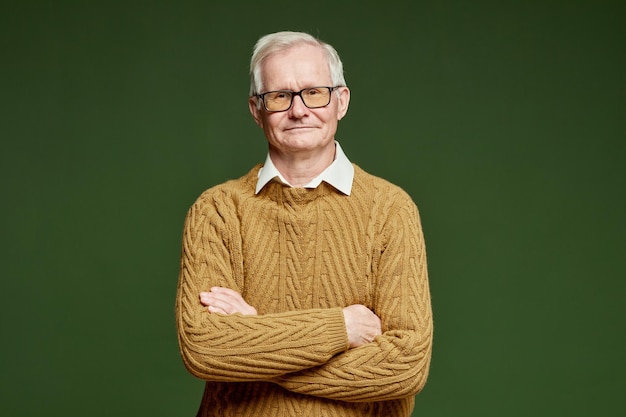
217 347
396 364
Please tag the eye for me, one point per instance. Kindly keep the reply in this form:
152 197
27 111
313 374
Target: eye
312 92
278 95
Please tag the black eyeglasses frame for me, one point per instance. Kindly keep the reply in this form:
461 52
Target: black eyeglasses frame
294 94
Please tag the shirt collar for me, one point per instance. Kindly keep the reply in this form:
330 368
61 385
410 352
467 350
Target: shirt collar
339 174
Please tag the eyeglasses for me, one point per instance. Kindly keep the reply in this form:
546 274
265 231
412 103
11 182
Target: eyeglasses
282 100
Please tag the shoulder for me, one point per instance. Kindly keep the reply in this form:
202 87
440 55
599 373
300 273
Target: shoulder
227 194
391 207
370 186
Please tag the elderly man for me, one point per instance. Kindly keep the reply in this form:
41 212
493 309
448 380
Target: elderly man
303 288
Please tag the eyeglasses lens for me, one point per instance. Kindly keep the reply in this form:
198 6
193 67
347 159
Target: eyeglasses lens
312 97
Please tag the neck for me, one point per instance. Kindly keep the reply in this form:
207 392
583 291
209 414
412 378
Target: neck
299 168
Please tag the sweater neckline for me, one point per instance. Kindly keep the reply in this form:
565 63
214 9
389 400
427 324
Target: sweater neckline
281 193
296 195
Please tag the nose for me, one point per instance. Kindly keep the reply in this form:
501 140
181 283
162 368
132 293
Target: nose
298 109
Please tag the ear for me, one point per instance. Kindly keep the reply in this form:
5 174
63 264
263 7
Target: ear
255 111
343 102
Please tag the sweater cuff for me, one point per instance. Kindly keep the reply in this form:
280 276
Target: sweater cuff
337 334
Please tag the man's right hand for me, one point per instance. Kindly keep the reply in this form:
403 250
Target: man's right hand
362 325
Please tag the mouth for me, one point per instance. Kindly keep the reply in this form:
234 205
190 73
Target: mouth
300 128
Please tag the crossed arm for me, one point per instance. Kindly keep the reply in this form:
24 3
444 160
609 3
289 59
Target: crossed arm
362 325
349 353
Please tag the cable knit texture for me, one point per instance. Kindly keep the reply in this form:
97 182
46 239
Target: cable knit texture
299 256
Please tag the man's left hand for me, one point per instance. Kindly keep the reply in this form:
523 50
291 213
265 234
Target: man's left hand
226 301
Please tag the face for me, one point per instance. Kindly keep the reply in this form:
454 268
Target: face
299 128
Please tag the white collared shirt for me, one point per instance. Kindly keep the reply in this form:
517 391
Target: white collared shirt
339 174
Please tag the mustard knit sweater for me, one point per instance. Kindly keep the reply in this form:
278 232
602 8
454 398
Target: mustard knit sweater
299 256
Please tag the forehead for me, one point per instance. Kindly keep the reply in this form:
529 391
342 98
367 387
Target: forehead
299 67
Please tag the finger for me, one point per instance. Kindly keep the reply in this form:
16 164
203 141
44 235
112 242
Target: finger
227 301
222 304
213 309
232 305
225 291
221 297
205 298
230 296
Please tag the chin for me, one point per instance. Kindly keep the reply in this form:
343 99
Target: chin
306 143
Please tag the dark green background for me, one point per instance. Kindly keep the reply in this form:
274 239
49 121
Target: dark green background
504 120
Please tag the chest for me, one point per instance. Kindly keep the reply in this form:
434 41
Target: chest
301 259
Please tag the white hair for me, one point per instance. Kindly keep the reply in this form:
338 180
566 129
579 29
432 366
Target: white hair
279 41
